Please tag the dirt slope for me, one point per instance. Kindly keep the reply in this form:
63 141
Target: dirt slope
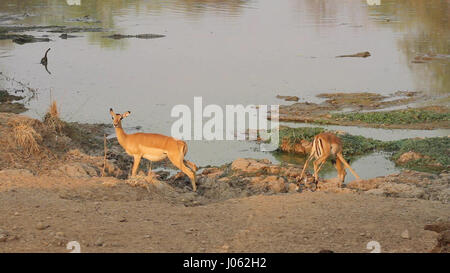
41 214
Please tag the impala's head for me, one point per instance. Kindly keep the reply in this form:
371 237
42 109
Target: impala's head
117 118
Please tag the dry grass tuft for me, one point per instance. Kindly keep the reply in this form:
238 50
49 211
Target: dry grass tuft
25 137
52 120
53 110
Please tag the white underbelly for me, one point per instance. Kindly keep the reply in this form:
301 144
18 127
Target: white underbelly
153 154
155 157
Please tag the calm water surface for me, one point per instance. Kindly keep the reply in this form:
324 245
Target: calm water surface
228 52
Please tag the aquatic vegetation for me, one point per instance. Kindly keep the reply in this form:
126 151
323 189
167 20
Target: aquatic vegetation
358 145
295 135
407 116
435 152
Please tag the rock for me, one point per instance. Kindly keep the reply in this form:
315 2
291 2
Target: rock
60 239
13 237
240 164
248 165
288 98
23 38
292 187
256 167
291 172
212 172
265 161
405 234
99 242
42 226
16 172
274 169
401 190
443 243
365 185
375 192
223 180
3 235
444 238
273 183
66 36
190 230
225 248
438 227
332 185
277 185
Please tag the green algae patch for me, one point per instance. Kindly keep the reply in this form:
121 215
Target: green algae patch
407 116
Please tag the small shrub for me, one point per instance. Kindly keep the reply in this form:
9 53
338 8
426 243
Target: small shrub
52 120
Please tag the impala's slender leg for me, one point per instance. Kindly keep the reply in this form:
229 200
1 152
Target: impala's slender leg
178 162
318 162
150 173
339 155
321 164
341 170
191 165
306 165
137 160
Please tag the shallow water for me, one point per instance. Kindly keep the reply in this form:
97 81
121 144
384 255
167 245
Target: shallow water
369 166
228 52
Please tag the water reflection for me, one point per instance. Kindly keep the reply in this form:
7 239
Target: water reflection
106 13
425 29
105 10
228 52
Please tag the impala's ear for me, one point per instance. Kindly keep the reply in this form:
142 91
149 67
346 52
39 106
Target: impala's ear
111 112
126 114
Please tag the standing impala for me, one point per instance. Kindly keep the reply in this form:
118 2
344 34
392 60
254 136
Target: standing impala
324 146
154 147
